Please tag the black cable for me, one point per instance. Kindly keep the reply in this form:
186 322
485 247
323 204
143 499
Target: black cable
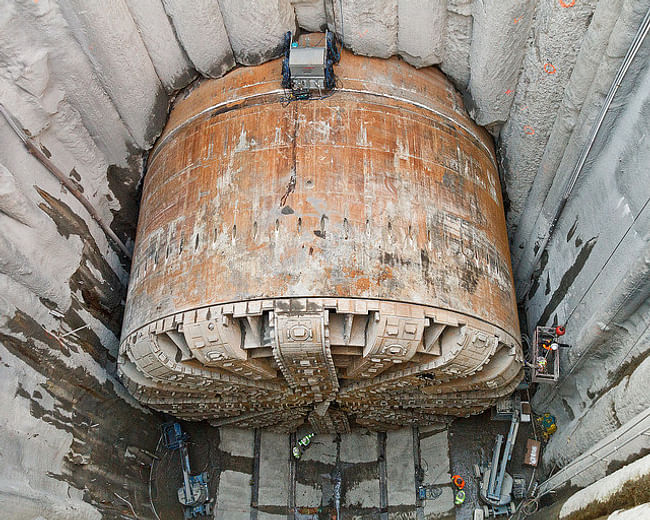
150 478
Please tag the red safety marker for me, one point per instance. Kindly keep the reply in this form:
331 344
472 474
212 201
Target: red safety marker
549 68
567 3
560 331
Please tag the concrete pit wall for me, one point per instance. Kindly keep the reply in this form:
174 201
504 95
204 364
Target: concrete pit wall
594 278
92 87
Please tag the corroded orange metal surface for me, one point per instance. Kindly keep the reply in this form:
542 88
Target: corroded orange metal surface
390 200
383 191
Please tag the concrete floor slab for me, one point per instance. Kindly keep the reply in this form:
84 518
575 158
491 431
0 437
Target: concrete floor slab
363 494
274 470
234 496
400 467
409 514
442 506
236 441
314 472
434 457
322 449
263 515
359 447
308 496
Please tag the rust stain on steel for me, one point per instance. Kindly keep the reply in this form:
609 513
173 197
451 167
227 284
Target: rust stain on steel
384 168
384 191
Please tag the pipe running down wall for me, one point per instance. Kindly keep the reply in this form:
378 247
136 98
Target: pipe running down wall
339 261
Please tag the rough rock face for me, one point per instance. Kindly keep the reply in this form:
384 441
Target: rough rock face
170 60
66 433
310 14
547 69
368 27
600 417
594 277
421 31
457 42
69 425
108 35
499 39
71 436
203 35
257 34
605 43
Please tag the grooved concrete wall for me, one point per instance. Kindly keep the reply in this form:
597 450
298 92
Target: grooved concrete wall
91 82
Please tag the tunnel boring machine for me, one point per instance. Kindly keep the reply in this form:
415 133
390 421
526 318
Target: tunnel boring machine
339 261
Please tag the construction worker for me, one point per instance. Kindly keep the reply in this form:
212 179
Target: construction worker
306 440
547 424
302 444
459 498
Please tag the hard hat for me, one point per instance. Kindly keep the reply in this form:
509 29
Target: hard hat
547 420
458 481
